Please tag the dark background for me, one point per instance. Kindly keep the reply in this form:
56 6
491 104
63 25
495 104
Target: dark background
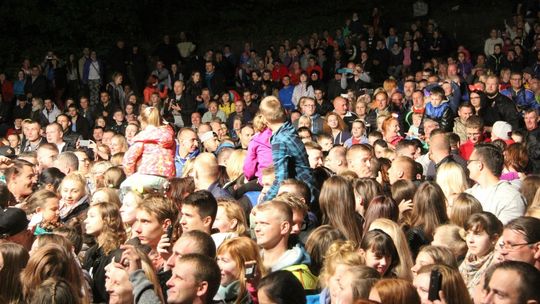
28 28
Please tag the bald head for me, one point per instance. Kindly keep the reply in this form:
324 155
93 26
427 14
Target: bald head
439 146
336 160
206 170
340 105
402 167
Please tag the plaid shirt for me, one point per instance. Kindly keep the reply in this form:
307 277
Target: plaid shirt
290 160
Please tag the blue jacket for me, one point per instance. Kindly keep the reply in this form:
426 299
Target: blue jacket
523 98
442 114
285 96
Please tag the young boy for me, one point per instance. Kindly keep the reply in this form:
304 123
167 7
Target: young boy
118 123
414 129
358 130
438 109
288 152
475 134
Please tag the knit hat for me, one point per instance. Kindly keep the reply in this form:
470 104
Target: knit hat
12 221
502 130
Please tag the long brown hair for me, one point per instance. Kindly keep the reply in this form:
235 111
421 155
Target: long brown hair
338 208
452 284
15 258
112 234
429 208
52 260
396 291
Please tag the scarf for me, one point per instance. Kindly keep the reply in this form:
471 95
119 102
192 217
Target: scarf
472 269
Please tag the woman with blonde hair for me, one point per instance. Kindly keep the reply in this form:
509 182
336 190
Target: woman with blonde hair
235 170
336 127
230 217
453 287
403 268
338 208
97 171
149 162
341 256
233 257
259 152
118 144
74 200
14 258
430 255
463 206
53 260
452 237
106 195
105 224
453 180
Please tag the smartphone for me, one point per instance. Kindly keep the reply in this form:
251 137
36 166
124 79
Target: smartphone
169 232
435 281
250 270
84 142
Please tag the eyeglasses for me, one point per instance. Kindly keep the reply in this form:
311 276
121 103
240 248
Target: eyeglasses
511 247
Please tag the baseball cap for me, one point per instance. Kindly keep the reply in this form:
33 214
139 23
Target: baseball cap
502 130
7 151
12 221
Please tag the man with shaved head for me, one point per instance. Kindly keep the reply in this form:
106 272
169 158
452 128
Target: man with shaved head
206 174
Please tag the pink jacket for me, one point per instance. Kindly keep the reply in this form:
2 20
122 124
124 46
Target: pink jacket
152 152
259 155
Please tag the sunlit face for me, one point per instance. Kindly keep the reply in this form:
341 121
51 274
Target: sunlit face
117 285
474 135
93 222
222 222
392 130
360 163
531 120
479 242
131 131
421 283
54 134
50 211
269 228
117 146
357 129
521 253
361 108
332 122
182 286
377 261
334 282
504 288
340 106
192 220
464 113
147 228
71 191
128 209
326 144
230 271
315 157
422 259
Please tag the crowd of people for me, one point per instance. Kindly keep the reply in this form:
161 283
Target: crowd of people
370 165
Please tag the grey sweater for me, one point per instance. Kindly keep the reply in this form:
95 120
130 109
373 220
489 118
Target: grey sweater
143 289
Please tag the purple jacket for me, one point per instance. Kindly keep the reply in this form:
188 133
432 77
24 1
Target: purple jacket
259 155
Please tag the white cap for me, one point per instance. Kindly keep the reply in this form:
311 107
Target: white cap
501 130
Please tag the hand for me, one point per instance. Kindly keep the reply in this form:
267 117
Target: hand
405 205
130 260
163 247
5 162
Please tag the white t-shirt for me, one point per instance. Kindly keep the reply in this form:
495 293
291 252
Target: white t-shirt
503 200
